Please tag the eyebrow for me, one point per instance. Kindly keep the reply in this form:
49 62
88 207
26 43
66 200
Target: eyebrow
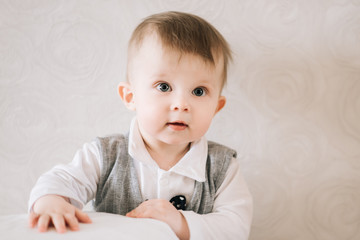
160 75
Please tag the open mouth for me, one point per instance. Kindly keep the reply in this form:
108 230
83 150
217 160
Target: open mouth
177 125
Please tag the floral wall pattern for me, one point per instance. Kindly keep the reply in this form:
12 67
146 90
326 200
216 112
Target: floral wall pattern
293 111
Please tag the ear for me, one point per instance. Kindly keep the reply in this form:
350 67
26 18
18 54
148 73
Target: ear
221 104
126 95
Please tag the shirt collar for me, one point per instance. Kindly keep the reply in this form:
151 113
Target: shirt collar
191 165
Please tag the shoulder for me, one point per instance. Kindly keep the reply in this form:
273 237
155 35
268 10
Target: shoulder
219 159
113 138
221 150
111 141
112 146
113 151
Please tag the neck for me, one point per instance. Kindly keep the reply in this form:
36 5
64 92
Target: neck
166 156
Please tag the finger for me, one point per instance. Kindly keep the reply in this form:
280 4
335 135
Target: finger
59 223
135 212
82 217
32 220
72 222
43 223
141 212
131 214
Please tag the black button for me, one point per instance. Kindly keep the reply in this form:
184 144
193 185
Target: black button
179 202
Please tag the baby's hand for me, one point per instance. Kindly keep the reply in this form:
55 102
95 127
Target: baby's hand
58 211
164 211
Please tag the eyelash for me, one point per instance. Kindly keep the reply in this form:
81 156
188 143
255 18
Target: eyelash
165 87
160 87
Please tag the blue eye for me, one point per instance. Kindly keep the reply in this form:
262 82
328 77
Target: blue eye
199 91
163 87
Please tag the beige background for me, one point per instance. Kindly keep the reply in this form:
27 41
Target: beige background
293 111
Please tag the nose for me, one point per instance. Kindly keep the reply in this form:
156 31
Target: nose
180 103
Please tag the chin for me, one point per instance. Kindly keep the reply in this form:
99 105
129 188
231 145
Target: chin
172 141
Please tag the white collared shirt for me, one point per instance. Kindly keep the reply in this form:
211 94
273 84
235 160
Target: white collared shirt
232 212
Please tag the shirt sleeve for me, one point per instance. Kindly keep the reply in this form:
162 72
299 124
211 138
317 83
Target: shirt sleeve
76 180
232 213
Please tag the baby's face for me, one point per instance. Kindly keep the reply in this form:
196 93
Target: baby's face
175 95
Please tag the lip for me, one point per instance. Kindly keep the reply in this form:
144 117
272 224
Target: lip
177 125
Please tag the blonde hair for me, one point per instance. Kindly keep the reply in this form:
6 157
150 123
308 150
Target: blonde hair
186 33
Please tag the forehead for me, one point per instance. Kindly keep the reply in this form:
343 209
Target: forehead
151 48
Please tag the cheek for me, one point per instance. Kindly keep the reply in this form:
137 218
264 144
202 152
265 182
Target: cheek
148 111
203 118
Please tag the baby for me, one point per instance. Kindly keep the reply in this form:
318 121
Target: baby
177 67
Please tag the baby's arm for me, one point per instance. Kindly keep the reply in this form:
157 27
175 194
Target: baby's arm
60 193
163 210
58 211
230 219
232 212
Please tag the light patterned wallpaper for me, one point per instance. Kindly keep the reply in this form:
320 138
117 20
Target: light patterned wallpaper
293 111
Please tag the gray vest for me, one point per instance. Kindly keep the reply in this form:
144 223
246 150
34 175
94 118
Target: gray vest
118 189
